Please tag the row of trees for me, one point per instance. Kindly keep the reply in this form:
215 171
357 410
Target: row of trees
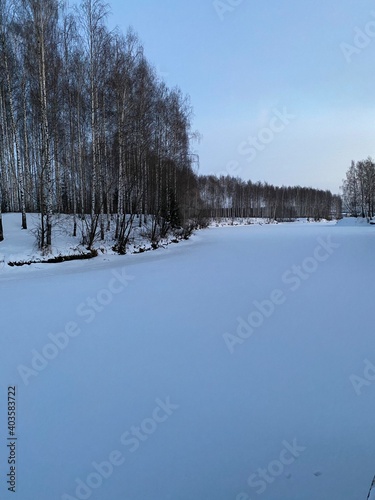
87 128
359 189
233 197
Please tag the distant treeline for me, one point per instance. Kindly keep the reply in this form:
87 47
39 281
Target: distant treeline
88 128
233 197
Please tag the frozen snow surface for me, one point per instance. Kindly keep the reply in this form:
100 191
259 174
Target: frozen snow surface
234 366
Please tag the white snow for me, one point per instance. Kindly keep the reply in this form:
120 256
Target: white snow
149 332
20 246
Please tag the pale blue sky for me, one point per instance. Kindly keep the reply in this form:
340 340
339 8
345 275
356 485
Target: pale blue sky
260 57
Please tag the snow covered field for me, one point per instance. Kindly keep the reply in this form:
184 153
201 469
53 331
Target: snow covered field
237 365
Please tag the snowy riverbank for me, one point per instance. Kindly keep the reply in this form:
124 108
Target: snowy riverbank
19 247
